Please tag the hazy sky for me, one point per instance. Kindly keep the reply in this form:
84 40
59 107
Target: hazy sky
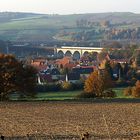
70 6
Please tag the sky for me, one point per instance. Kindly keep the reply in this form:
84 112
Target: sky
70 6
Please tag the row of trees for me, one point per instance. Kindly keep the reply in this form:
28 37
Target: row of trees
16 77
100 84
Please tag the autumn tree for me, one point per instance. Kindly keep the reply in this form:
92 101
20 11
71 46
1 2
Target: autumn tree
136 90
128 91
15 76
97 83
7 73
92 85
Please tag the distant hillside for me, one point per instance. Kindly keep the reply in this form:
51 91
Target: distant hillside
114 17
30 26
8 16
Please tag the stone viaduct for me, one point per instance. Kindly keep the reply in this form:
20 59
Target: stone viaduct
76 52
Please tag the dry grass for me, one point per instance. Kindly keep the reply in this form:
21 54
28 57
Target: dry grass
69 120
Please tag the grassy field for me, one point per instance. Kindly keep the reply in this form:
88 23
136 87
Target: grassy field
58 95
67 95
70 120
119 93
72 95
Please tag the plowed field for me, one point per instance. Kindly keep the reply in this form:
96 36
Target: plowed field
69 120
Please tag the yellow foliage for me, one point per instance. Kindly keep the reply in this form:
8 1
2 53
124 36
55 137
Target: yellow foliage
136 90
94 84
66 86
102 64
97 83
127 91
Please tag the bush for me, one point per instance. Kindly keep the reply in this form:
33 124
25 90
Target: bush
86 95
49 87
4 97
127 91
66 86
77 86
136 90
109 93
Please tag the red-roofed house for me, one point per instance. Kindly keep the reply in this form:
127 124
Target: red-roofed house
39 64
66 62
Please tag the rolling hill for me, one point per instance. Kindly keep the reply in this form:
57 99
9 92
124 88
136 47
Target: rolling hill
31 26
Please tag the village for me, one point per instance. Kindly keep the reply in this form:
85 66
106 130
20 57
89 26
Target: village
72 68
69 70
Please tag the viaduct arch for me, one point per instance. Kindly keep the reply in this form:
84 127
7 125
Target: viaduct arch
76 52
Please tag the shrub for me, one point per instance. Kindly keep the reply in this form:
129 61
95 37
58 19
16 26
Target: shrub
77 86
86 95
66 86
49 87
4 97
109 93
127 91
136 90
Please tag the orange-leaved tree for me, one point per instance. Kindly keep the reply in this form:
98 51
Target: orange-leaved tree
15 77
136 90
97 83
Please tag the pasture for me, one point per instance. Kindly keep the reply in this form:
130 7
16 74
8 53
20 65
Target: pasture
64 95
69 120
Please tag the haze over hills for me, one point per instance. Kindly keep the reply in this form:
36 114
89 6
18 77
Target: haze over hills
17 26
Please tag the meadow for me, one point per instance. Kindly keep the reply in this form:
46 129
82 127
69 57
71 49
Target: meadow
65 95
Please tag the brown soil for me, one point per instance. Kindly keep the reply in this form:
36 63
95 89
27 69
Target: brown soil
69 120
